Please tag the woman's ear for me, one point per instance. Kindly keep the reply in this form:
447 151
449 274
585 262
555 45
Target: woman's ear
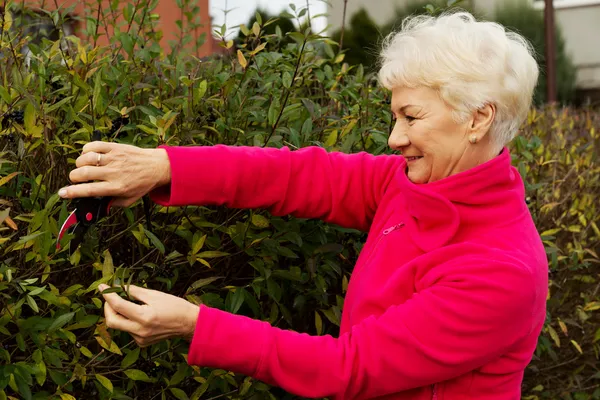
482 120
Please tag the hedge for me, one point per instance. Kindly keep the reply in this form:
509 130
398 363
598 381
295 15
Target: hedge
288 271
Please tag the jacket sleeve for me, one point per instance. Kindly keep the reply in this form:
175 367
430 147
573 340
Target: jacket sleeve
339 188
467 318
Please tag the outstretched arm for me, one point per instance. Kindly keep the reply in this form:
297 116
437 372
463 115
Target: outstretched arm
471 315
339 188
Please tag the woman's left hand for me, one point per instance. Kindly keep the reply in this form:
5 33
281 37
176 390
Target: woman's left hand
162 316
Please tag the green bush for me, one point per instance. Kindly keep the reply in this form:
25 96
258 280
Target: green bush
290 272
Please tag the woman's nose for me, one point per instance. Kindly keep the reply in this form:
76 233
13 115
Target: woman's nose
398 139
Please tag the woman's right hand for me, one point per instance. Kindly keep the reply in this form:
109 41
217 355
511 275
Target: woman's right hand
122 171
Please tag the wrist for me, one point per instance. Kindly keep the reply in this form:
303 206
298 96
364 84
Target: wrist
190 321
163 167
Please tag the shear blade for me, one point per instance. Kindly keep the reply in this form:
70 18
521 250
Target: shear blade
69 222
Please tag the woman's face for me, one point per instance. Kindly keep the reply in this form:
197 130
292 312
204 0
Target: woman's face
434 145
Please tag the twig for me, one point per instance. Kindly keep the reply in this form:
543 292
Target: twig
343 24
223 395
559 365
287 94
97 22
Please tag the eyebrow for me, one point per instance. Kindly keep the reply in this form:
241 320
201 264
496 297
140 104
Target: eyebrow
404 107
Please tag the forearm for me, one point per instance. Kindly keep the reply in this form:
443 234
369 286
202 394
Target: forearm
390 353
308 183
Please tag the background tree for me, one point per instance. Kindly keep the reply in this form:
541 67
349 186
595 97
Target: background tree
521 17
362 38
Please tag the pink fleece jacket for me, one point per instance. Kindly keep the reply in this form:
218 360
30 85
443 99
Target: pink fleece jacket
446 300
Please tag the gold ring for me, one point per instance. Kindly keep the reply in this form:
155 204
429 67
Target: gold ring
98 160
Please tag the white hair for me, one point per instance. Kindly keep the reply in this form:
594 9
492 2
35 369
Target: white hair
469 63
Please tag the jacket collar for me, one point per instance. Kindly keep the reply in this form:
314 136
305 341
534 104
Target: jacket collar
491 193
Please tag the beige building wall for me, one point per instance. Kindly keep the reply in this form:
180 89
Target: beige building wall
578 19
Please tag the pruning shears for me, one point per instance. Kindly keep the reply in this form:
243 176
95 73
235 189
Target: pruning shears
88 211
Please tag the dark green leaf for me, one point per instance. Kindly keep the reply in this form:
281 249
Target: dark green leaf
32 304
61 321
130 358
137 375
155 241
180 394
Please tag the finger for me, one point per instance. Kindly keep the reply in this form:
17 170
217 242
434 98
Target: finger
126 308
117 321
140 293
142 342
92 189
91 158
89 173
99 147
148 341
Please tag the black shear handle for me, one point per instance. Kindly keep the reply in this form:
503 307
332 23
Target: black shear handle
90 210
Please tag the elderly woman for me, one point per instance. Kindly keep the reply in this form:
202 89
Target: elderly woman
448 296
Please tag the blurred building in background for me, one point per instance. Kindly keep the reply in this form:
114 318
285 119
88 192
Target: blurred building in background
579 21
38 23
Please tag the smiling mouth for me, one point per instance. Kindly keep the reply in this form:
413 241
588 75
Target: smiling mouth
409 159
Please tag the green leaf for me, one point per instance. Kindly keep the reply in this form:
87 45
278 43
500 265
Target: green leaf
97 92
127 43
37 291
318 323
40 374
200 91
203 282
29 117
24 389
260 221
104 382
32 304
5 95
212 254
86 322
286 80
331 139
86 352
180 394
61 321
273 112
137 375
198 244
58 105
130 358
297 36
155 241
108 269
179 376
237 300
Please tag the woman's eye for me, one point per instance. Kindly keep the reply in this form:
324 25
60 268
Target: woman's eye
409 118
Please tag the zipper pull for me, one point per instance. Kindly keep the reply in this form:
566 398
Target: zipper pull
393 228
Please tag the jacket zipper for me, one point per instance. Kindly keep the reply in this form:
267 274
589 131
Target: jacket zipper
386 232
393 228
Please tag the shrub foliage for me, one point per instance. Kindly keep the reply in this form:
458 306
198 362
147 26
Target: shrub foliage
290 272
